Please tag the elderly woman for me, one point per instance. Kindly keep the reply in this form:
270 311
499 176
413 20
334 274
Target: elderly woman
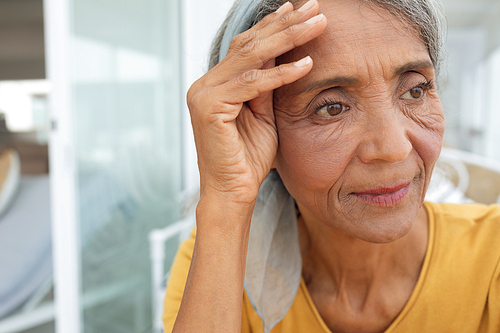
317 132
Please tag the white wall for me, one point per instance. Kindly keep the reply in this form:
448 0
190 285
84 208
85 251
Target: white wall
201 20
469 93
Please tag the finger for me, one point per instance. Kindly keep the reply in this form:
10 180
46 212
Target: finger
286 8
253 83
252 40
257 53
254 32
274 23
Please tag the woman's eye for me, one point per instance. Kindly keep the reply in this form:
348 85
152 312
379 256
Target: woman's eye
413 93
333 109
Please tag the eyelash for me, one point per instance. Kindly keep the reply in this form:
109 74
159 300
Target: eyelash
327 101
426 84
423 86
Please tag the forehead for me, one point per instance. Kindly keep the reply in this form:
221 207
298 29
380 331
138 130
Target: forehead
360 39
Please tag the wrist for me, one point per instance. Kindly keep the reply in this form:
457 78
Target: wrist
234 190
222 214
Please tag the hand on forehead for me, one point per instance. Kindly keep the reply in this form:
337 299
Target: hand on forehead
361 43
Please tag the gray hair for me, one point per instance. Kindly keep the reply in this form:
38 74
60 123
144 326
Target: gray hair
426 16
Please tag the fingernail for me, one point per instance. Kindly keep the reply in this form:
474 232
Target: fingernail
308 5
314 19
283 6
303 62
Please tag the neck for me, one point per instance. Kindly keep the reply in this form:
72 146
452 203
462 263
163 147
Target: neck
348 265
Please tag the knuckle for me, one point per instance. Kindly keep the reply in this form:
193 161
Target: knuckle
190 96
252 52
241 40
193 101
290 32
279 71
285 20
249 77
197 97
250 36
235 42
249 49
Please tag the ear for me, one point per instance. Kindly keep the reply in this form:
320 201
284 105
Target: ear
273 166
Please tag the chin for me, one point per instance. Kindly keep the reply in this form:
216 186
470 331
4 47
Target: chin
383 234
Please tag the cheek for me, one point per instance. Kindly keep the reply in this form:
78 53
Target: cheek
428 138
311 159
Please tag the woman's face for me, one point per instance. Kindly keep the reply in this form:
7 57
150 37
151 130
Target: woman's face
359 135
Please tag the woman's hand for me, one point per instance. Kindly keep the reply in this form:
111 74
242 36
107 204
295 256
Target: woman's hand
233 120
232 105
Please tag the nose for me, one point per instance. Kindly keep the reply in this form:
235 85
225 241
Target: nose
384 139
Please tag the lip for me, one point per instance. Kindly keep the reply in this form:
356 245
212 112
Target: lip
384 196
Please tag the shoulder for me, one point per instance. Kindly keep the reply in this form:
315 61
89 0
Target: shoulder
465 241
472 211
478 219
461 274
472 230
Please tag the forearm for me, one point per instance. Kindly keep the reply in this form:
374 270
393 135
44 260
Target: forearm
234 127
212 300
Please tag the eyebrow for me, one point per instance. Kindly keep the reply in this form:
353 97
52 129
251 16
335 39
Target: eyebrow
348 81
330 82
414 65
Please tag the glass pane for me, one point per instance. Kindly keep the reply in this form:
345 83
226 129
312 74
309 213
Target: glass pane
471 76
125 65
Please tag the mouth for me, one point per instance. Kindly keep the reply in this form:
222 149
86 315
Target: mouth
384 196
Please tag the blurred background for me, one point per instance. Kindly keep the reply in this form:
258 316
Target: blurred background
96 149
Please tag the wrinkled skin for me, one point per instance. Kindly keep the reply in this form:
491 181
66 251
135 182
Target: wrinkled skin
383 139
362 251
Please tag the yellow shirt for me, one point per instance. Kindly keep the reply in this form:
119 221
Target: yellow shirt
458 289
